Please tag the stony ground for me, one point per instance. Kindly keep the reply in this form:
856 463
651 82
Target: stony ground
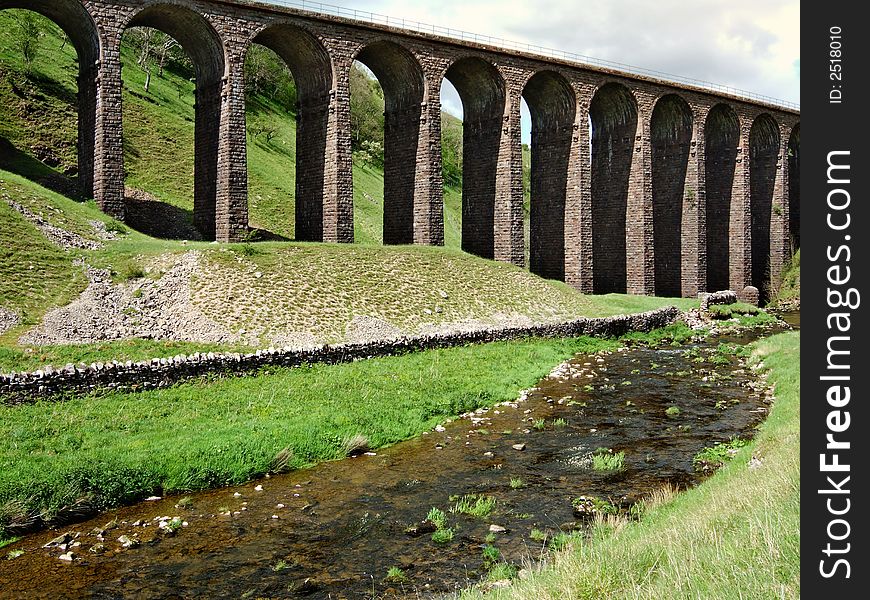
199 298
8 319
151 308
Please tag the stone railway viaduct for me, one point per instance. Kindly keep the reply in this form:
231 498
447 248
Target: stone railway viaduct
638 185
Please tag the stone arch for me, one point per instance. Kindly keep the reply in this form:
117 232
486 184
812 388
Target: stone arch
85 37
764 148
794 189
482 91
553 106
722 138
401 77
670 139
613 119
313 73
203 45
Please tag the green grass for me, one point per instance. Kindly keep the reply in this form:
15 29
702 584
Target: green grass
790 289
737 535
475 505
442 536
437 517
34 274
604 459
713 457
118 447
395 575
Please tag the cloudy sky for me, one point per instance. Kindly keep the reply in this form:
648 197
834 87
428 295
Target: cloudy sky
752 45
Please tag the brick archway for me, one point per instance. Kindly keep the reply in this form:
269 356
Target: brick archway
670 138
204 47
312 71
614 121
401 78
75 21
764 146
482 91
553 106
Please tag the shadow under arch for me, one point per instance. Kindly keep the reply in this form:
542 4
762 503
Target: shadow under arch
794 189
72 17
311 67
721 141
613 117
204 48
764 144
553 106
670 139
481 89
401 78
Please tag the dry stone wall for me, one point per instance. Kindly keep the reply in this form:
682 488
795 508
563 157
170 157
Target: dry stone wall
19 388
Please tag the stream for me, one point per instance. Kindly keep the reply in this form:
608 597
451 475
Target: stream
334 530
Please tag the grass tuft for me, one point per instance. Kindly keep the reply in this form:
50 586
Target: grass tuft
604 459
475 505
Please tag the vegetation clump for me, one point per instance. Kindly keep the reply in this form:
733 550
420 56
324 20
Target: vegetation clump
395 575
713 457
605 459
590 506
475 505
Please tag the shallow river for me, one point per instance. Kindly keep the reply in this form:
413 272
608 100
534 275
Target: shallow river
333 531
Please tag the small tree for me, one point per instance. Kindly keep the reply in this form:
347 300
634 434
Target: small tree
26 35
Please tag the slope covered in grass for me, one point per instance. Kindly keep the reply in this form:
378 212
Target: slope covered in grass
270 293
790 291
735 536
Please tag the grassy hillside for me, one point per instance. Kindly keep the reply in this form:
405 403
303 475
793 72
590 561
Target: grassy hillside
790 290
735 536
317 291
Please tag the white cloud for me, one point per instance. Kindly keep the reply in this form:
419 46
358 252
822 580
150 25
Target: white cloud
744 44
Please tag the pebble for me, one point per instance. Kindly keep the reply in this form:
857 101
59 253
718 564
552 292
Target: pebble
259 488
519 447
68 557
497 529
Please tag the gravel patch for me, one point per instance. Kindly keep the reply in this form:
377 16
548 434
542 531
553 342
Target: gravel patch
363 329
101 231
158 309
8 320
57 236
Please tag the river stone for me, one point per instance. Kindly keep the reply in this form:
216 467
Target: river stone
67 556
519 447
59 540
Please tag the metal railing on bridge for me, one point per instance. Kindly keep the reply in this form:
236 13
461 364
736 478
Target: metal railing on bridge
500 43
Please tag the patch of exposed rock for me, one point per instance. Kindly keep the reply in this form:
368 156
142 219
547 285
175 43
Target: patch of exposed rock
369 329
102 232
159 309
8 319
57 236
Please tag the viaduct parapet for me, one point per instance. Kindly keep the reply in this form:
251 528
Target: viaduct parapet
638 185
